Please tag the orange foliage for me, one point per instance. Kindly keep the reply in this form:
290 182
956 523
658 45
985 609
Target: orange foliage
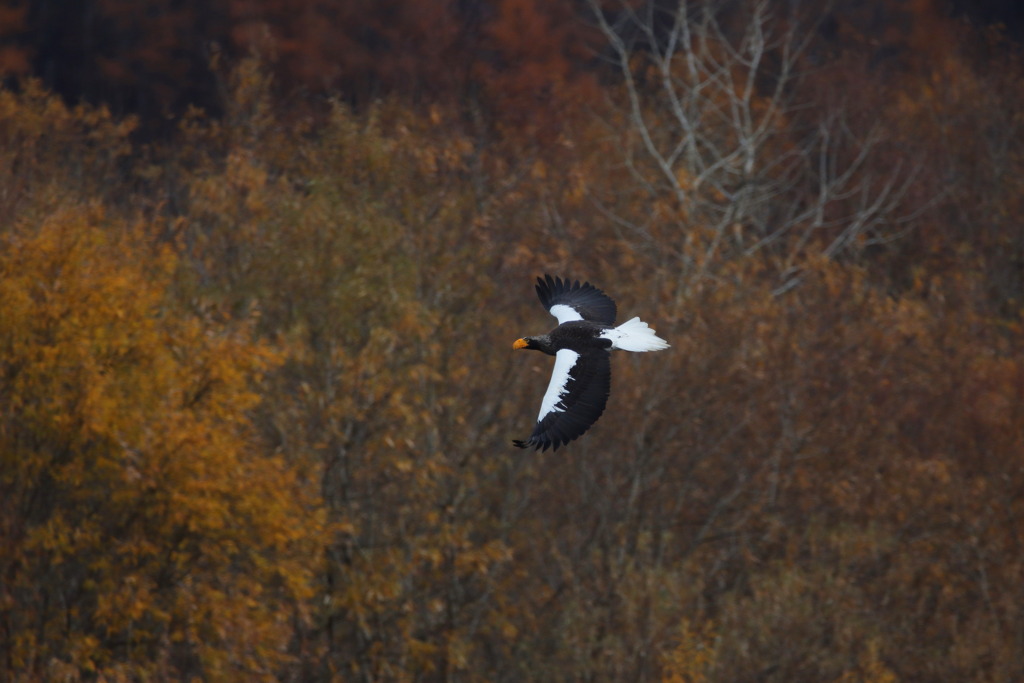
14 59
258 392
536 76
138 518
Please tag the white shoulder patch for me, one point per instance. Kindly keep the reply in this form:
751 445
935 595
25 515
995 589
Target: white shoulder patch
564 360
564 313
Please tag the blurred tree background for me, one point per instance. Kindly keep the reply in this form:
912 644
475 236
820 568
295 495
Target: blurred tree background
262 262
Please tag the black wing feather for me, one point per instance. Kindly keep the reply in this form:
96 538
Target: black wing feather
589 301
590 381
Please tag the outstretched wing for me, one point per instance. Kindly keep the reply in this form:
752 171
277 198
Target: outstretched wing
568 300
576 397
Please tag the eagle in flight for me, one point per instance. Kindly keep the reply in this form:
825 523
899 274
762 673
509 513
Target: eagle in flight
581 344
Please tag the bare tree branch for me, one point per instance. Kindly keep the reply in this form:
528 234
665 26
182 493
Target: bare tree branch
720 124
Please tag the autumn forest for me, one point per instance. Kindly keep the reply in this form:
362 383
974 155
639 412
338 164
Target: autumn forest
262 263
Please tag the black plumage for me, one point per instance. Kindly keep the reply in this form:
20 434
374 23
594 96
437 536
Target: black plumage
590 302
581 379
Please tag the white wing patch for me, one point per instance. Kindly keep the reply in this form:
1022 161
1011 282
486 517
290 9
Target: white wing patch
564 360
564 313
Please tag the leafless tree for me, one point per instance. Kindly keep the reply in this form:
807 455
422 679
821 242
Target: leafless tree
720 122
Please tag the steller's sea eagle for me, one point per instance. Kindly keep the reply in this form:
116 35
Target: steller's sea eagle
581 345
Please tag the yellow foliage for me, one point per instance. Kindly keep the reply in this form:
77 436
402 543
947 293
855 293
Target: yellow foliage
691 658
49 148
131 490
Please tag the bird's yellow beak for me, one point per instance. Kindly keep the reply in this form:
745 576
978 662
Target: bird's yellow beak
520 344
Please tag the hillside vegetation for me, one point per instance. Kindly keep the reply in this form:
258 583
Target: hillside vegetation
257 391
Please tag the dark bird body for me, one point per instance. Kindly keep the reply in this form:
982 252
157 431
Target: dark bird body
577 335
581 379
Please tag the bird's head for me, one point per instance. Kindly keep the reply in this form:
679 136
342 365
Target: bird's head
541 343
526 343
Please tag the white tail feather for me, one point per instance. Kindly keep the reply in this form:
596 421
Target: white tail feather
635 335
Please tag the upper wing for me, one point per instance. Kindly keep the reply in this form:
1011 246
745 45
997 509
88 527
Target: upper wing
576 397
568 300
